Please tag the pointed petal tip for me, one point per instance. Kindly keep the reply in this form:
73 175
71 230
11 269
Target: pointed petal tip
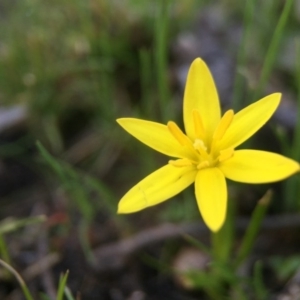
199 64
215 223
121 211
198 60
215 227
126 207
126 123
276 95
270 100
121 120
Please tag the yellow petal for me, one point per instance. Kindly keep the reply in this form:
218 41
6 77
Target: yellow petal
253 166
211 194
159 186
156 136
247 121
200 94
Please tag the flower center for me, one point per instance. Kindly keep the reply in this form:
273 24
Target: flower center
203 151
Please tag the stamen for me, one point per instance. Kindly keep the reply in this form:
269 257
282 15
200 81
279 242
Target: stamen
183 162
201 148
198 124
178 134
223 125
199 144
203 164
226 154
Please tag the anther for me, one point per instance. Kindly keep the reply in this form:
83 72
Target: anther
183 162
203 164
178 134
226 154
223 125
201 148
198 124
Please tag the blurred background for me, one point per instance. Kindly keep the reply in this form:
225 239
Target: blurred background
68 70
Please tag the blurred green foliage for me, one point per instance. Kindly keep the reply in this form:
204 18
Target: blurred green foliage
78 65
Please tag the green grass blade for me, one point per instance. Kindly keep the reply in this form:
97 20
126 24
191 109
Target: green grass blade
85 242
11 224
296 141
61 286
273 49
237 97
253 228
22 283
4 253
68 294
260 290
146 82
291 185
71 183
53 163
160 54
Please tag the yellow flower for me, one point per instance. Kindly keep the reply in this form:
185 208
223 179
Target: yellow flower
206 154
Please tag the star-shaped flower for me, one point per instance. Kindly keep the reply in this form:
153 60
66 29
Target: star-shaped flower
206 153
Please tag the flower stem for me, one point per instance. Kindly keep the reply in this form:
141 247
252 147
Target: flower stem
222 240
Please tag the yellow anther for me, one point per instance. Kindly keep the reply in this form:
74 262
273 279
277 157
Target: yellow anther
183 162
178 134
203 164
223 125
199 144
201 148
199 127
226 154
